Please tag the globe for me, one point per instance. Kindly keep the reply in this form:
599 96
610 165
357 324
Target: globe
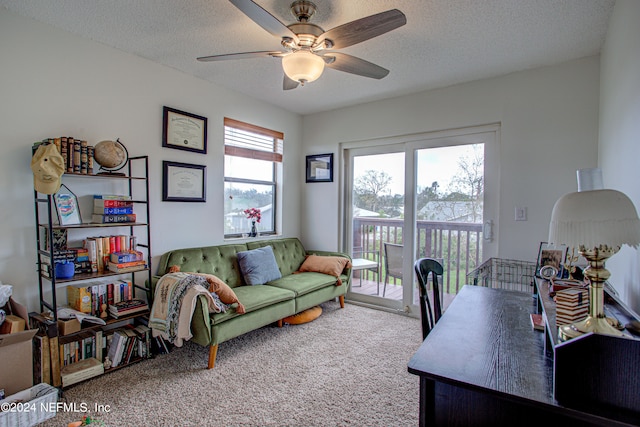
110 155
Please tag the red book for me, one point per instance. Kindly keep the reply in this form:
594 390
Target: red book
537 322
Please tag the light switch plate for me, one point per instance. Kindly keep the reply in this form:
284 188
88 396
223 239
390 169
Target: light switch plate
521 213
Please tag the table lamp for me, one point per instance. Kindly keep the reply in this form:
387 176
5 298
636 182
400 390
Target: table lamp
597 223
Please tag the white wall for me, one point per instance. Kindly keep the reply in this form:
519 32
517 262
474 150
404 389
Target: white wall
55 84
549 129
620 131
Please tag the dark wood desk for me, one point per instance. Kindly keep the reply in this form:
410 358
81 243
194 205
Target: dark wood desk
483 364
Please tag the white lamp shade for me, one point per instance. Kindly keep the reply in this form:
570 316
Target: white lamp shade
594 218
303 66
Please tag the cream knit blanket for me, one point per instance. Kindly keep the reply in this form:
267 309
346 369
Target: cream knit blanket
174 303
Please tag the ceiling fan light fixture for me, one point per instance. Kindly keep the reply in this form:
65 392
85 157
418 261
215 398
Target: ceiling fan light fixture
303 66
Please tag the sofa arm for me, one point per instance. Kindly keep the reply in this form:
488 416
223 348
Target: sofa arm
346 271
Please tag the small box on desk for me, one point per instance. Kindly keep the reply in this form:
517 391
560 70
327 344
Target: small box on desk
16 370
598 371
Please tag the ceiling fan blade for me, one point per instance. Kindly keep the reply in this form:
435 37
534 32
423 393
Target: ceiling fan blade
288 84
353 65
264 19
363 29
241 55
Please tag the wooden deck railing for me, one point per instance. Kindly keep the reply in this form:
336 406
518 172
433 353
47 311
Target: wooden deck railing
457 244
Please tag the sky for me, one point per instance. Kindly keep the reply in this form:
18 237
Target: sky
434 164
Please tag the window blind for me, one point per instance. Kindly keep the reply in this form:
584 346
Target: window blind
253 142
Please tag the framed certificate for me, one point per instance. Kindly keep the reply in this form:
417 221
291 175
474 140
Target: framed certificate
184 131
183 182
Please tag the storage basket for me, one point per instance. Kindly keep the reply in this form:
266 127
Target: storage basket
30 407
501 273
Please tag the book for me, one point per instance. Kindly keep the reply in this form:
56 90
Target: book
54 349
84 160
115 347
135 266
124 257
110 219
537 322
111 197
113 210
76 156
41 359
81 371
126 308
92 249
90 152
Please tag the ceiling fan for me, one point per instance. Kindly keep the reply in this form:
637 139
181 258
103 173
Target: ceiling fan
308 48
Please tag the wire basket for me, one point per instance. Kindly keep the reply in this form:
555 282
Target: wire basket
500 273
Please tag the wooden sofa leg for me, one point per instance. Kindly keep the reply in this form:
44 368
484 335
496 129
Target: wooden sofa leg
213 352
280 323
341 298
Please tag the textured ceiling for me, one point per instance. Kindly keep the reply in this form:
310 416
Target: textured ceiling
444 41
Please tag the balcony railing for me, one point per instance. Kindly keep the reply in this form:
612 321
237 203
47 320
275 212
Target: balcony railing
457 244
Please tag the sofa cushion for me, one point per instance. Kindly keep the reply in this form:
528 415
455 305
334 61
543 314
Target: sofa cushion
304 283
258 266
254 298
289 252
331 265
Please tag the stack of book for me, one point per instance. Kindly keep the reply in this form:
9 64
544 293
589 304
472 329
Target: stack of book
93 298
77 155
108 209
128 344
126 308
572 305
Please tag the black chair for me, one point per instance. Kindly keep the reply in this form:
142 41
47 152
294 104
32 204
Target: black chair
428 315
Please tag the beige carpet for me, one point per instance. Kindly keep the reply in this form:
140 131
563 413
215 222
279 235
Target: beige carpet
346 368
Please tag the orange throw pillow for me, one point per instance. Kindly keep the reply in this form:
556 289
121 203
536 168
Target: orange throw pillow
331 265
224 291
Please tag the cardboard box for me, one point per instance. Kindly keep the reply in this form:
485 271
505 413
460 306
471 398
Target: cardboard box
70 326
16 369
12 324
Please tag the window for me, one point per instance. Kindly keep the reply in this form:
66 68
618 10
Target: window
252 162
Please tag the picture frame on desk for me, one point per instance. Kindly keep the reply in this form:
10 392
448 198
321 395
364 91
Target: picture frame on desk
550 255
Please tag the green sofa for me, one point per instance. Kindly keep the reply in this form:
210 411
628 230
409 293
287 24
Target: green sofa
264 304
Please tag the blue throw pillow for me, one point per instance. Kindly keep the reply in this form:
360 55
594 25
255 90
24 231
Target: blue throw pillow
258 266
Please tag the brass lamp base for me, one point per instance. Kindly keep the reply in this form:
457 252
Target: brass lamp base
598 325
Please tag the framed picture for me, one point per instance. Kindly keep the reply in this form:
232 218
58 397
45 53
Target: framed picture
320 168
183 182
550 260
67 206
184 131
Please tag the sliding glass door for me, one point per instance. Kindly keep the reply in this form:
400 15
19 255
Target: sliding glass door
413 197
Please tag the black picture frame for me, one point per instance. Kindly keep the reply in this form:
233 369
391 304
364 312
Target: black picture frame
183 182
184 131
320 168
